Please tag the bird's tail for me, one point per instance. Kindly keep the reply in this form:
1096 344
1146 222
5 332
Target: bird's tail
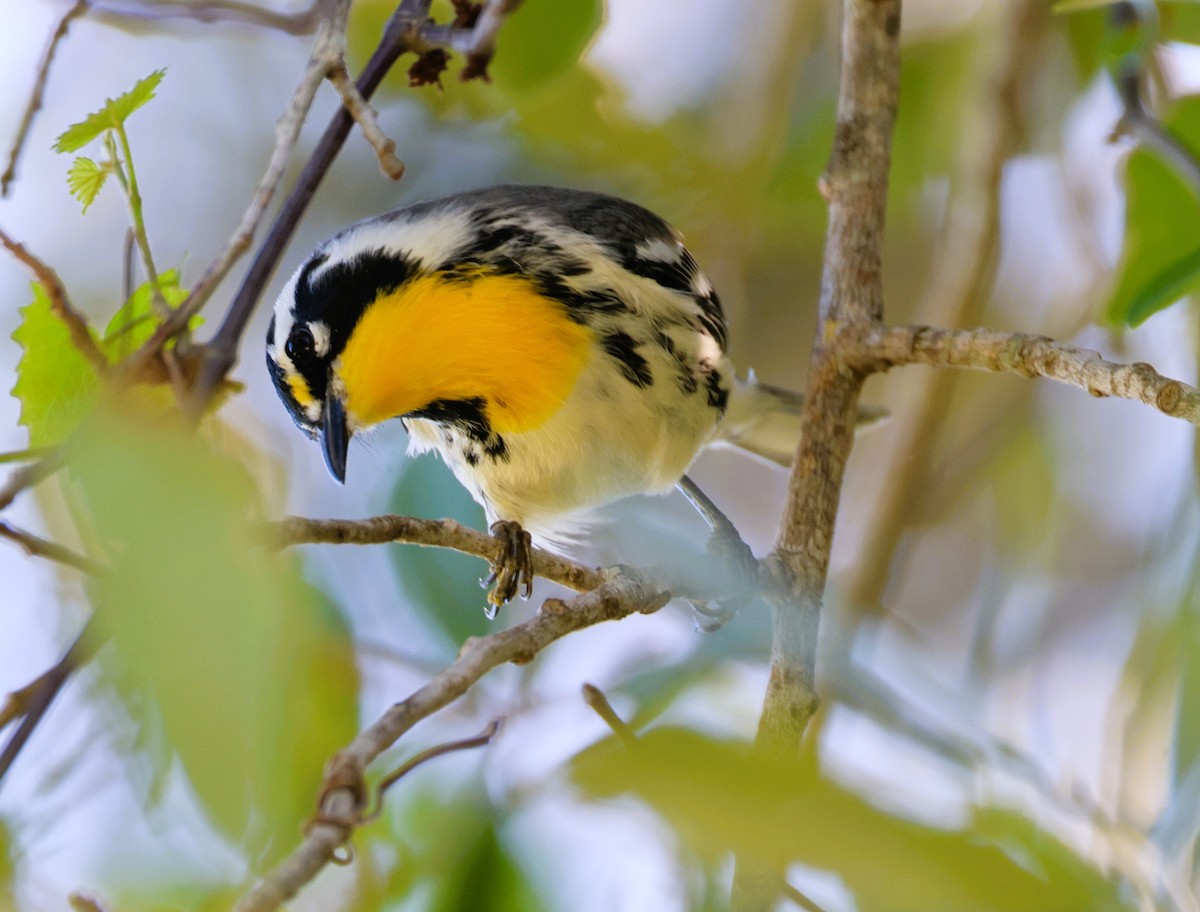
765 420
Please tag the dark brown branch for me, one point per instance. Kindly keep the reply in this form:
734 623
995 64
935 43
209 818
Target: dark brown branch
407 30
1140 123
29 475
39 91
40 547
327 55
31 702
620 596
76 323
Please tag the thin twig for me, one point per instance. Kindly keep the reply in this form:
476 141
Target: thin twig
1140 123
795 896
439 533
620 596
301 22
405 31
365 116
881 348
39 90
594 697
40 547
439 750
39 694
76 323
327 53
29 475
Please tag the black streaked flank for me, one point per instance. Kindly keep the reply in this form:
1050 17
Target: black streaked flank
684 376
623 348
718 396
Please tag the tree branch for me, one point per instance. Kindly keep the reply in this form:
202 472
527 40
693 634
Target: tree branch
882 348
327 54
76 323
406 31
35 546
343 797
39 90
855 185
439 533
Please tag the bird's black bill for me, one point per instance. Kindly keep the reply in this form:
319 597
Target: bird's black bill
335 436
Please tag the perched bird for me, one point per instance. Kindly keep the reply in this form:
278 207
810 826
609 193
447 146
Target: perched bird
560 349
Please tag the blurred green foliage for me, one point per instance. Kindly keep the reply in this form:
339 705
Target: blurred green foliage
242 676
721 796
442 585
1160 261
215 641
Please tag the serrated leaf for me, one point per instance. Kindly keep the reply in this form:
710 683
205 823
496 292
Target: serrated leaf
216 642
85 180
55 383
112 115
137 320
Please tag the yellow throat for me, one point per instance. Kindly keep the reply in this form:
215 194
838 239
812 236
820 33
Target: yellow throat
490 336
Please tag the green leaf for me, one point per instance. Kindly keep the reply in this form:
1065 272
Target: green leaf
55 383
137 320
111 116
542 40
722 796
85 179
217 644
1162 222
1071 6
1165 289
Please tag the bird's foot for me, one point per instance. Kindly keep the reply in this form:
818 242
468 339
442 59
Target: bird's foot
736 568
512 567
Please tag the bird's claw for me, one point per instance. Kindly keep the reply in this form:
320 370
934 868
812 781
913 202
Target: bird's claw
739 567
512 567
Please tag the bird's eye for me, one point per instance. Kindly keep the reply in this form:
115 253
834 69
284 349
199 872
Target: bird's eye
300 345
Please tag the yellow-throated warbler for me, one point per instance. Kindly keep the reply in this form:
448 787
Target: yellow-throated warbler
560 349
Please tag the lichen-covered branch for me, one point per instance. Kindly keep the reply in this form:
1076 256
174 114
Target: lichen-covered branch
855 184
439 533
343 798
881 348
